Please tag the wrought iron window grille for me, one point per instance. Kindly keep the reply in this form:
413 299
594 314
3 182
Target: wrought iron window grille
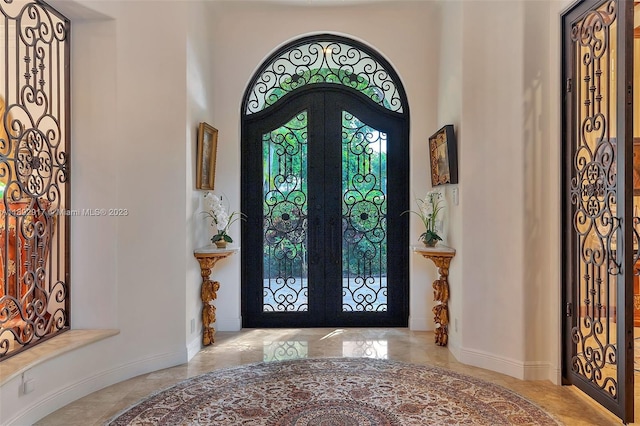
34 175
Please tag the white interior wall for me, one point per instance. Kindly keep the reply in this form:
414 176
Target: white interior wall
134 102
506 301
540 255
503 143
129 115
491 184
94 175
150 114
199 108
450 112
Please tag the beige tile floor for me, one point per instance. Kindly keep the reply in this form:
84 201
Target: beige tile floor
256 345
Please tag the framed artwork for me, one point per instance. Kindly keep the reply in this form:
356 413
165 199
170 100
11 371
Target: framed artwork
443 156
206 163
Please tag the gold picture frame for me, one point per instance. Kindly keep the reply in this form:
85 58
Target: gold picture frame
443 157
207 150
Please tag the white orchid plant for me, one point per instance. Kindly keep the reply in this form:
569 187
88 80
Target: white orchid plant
220 218
428 209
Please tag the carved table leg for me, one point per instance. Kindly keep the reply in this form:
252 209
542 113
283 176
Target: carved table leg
441 297
208 295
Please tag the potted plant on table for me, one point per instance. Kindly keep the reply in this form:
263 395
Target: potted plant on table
221 219
429 208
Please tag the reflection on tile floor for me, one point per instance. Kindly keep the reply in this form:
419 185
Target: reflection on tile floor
257 345
282 351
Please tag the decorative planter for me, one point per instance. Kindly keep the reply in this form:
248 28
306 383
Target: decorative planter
221 244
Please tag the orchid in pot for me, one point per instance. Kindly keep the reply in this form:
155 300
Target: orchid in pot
220 219
429 208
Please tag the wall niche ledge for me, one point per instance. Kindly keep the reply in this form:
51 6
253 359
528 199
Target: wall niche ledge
54 347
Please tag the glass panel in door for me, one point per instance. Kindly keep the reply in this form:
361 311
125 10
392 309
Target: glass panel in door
364 216
284 151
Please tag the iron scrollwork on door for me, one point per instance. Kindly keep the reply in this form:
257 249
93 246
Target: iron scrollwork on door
593 196
317 60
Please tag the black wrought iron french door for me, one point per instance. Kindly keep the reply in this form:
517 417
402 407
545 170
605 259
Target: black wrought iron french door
598 236
325 182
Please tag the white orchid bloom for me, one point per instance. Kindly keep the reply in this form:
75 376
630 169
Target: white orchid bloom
221 219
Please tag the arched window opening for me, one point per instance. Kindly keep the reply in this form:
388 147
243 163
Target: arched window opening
325 178
324 59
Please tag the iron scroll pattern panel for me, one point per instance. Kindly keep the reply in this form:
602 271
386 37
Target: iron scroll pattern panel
34 175
285 280
593 192
364 217
323 61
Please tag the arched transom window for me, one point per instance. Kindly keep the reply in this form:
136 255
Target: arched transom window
328 59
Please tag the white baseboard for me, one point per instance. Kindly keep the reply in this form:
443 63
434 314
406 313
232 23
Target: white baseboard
555 375
536 370
58 398
530 370
194 347
421 323
455 351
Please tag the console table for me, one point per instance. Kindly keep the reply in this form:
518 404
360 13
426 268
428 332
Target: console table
441 257
207 257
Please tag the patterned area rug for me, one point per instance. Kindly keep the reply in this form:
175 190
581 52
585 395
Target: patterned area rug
331 392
